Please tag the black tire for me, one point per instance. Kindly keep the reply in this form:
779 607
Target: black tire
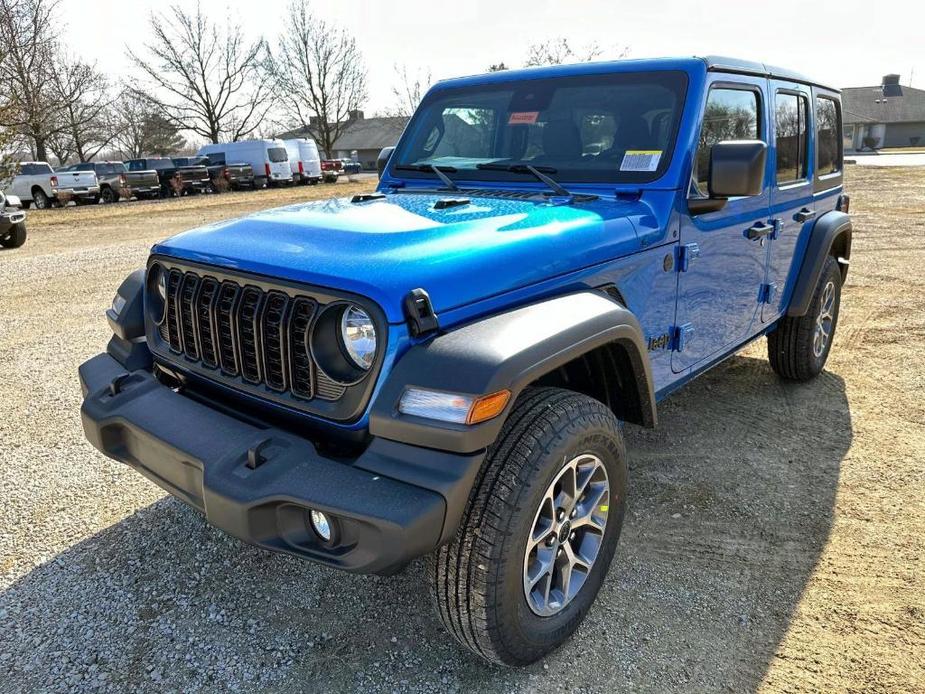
794 348
108 195
15 237
478 581
39 200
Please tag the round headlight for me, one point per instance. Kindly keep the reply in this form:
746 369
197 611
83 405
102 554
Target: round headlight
157 292
359 335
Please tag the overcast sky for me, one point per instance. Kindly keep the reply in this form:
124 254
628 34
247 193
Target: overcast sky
844 43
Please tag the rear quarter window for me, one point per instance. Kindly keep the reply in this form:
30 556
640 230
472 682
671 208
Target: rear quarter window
828 136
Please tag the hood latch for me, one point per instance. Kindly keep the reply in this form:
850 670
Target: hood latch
419 312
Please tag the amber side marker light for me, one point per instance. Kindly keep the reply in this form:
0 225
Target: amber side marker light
453 407
488 406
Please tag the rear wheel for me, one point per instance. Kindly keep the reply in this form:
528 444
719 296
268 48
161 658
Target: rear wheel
15 237
539 531
40 200
799 347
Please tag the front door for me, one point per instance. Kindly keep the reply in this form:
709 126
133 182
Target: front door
792 204
723 262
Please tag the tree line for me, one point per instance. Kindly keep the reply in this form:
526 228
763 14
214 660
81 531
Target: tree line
194 75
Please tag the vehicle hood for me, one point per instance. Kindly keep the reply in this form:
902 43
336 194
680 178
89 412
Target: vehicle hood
384 248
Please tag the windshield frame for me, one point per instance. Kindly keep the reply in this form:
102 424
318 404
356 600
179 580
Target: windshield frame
590 177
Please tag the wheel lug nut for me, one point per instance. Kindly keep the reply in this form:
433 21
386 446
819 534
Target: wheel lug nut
572 536
574 513
560 515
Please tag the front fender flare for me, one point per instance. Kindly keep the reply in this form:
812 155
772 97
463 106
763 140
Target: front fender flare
508 350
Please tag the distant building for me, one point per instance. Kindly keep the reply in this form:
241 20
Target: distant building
888 115
365 136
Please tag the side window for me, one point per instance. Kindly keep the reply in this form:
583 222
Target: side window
828 140
791 136
216 158
135 165
731 114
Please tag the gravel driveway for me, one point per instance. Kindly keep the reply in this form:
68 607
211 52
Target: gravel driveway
774 538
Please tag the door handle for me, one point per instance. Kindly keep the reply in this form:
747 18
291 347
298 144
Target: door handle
759 231
804 215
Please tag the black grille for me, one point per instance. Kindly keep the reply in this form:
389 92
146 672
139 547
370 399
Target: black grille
245 331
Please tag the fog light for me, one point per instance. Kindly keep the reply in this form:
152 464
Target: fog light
321 525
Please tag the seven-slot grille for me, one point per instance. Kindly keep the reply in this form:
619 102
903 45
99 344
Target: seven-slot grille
243 331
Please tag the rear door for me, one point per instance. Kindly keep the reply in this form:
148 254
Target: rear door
721 269
792 204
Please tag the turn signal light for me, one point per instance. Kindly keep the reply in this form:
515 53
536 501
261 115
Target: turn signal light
453 407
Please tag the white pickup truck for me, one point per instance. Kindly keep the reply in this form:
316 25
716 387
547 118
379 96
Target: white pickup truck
36 182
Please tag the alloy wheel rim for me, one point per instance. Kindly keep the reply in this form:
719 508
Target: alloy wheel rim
824 320
566 535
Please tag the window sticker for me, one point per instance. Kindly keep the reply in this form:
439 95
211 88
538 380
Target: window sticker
641 160
523 118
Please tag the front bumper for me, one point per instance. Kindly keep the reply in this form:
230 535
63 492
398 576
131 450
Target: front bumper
10 217
391 504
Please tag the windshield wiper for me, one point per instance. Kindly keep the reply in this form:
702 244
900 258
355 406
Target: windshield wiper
432 168
535 171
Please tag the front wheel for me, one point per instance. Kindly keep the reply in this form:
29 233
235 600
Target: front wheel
539 530
15 237
799 346
109 195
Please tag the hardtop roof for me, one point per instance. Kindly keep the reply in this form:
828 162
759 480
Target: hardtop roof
692 63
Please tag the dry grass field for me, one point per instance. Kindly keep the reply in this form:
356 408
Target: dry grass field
774 540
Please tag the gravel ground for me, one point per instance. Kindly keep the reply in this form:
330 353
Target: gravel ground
774 538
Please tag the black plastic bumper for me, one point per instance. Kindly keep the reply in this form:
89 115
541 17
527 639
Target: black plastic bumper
391 504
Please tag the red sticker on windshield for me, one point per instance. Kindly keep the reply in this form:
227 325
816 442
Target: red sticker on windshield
523 118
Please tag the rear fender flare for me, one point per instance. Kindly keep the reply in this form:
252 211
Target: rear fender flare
831 232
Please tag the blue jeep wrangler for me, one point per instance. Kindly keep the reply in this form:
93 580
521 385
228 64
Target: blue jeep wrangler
442 367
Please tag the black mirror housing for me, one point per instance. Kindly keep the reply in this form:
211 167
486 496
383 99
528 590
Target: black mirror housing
737 168
383 159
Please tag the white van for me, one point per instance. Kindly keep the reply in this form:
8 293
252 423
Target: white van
304 160
268 158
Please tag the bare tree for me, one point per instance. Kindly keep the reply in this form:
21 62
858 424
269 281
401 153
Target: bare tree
26 32
208 76
557 51
408 91
497 67
141 129
319 74
84 95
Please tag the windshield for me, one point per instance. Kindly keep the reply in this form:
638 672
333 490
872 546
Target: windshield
590 128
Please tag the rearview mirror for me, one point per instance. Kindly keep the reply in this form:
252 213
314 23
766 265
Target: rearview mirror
736 170
383 159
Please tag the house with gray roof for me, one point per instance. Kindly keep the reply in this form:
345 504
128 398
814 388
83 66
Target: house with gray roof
887 115
361 136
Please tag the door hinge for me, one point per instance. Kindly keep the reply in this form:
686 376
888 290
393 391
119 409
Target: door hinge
766 293
777 225
681 337
686 254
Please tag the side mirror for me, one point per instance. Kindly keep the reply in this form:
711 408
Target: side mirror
736 170
383 159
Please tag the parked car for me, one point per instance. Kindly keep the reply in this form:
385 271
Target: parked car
268 159
117 182
12 222
35 183
443 367
304 160
80 186
331 169
165 168
223 176
192 175
350 167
